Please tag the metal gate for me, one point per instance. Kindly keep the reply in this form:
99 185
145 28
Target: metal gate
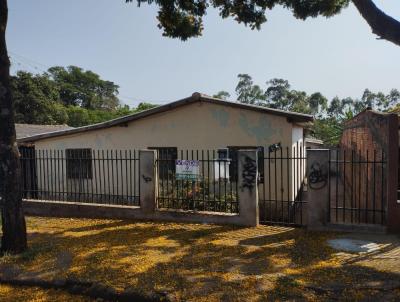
281 186
357 187
214 189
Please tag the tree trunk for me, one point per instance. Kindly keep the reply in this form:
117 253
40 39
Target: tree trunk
12 218
384 26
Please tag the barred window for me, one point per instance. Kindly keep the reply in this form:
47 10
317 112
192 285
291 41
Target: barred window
167 157
79 163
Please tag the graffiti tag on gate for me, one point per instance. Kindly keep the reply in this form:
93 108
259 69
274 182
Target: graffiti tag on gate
318 176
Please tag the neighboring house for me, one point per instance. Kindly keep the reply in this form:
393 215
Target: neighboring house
373 136
198 122
313 143
27 130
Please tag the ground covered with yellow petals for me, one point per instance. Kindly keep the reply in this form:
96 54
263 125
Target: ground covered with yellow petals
194 262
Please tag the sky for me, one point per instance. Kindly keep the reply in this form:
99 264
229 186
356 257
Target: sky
338 56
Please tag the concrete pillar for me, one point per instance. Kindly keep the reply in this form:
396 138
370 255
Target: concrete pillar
248 187
318 188
148 180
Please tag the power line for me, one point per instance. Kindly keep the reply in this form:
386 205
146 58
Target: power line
30 61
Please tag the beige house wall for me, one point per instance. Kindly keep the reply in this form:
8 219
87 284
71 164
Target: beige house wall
198 126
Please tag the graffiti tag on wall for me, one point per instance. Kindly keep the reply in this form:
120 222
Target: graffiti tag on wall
146 178
249 174
318 176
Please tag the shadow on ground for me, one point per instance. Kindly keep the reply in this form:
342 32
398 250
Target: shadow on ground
197 262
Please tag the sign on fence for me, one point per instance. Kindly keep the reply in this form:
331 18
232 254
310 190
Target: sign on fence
187 169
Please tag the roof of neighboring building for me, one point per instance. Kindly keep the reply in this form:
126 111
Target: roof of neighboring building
292 117
27 130
313 140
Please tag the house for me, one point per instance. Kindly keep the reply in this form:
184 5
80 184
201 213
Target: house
196 122
190 128
313 143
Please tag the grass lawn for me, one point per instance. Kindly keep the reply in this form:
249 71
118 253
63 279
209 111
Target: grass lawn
194 262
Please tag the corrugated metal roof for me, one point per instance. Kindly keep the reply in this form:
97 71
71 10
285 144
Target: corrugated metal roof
27 130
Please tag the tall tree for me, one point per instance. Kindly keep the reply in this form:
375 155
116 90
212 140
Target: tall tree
184 19
12 216
223 95
84 88
36 99
247 92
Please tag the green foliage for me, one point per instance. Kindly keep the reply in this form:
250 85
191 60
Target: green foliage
223 95
184 19
144 106
36 100
67 96
329 116
84 88
247 92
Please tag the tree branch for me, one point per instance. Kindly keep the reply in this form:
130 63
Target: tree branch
381 24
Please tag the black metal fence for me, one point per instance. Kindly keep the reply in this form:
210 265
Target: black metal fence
214 189
357 187
81 175
281 186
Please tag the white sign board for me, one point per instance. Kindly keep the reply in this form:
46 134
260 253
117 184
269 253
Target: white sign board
187 169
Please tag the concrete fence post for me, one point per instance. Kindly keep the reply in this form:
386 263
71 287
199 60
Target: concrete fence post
248 187
148 180
318 188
